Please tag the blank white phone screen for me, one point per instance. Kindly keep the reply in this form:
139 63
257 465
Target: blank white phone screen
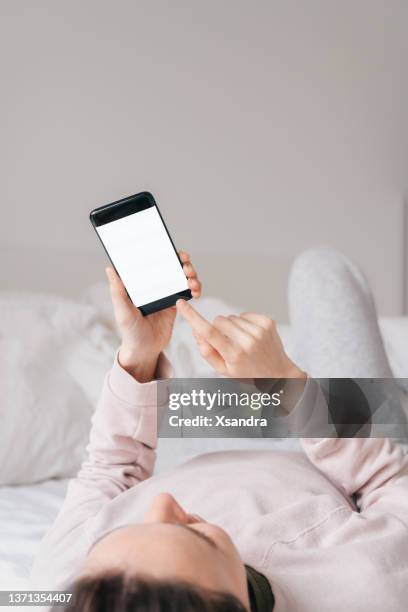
143 255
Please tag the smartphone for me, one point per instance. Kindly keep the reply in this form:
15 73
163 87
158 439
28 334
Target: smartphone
140 248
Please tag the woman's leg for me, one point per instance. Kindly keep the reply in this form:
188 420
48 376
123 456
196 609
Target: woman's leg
336 334
333 317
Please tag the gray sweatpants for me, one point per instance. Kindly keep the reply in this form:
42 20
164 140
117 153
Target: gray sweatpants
335 326
334 319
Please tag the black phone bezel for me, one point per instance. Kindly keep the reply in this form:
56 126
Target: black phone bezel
123 208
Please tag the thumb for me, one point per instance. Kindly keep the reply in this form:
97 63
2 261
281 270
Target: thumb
122 305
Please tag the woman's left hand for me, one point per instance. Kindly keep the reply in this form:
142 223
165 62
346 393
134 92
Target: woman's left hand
144 338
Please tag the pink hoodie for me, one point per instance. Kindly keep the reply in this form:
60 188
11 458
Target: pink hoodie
328 528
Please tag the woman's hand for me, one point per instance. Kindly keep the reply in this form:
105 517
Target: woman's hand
245 346
144 338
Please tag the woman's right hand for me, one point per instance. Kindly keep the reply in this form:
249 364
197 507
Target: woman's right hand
245 346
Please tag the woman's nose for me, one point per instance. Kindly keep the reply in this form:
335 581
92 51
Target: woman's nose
165 509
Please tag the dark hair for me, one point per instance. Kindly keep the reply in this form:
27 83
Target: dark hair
120 593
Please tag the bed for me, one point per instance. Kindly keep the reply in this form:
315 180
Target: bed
27 509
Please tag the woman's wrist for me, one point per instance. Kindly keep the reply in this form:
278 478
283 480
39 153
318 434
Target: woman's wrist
293 385
141 367
292 371
286 369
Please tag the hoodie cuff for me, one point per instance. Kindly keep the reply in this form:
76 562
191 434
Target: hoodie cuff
129 390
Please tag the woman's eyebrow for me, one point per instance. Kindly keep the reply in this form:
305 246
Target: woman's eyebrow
201 535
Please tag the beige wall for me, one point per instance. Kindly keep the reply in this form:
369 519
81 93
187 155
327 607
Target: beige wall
262 128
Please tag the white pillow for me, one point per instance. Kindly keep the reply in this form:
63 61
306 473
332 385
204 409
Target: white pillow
53 357
395 334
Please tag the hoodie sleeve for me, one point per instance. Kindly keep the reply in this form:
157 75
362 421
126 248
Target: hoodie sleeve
120 454
122 441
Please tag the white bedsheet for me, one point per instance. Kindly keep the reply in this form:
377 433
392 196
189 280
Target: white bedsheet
26 512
